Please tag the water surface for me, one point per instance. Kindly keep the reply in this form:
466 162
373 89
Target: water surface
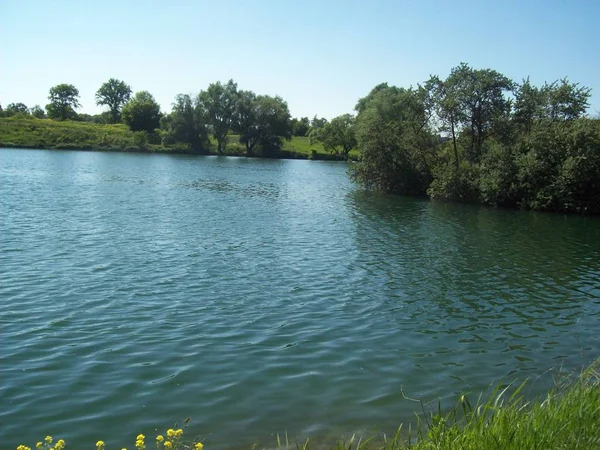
259 296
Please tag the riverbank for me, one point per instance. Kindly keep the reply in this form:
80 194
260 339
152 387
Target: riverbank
22 132
568 417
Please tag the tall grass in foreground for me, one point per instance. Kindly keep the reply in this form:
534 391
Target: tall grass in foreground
567 418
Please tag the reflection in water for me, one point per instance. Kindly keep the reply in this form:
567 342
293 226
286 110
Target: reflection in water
462 282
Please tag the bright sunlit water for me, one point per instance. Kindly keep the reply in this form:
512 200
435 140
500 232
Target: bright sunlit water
259 296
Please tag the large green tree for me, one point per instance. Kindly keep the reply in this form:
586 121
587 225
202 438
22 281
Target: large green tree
338 136
64 100
186 123
114 94
220 103
142 112
394 140
469 102
262 122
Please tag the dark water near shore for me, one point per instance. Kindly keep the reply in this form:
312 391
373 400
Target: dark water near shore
259 296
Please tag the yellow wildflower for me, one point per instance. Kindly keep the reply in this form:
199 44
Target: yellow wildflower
139 444
168 444
160 438
171 432
23 447
140 437
199 446
100 445
179 433
39 445
48 439
60 444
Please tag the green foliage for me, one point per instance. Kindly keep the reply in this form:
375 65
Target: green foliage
458 183
538 151
38 112
558 166
394 141
140 139
557 101
300 126
16 108
262 122
114 94
64 99
338 136
219 101
186 123
471 100
142 113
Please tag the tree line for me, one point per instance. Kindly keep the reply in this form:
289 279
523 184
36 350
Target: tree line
261 122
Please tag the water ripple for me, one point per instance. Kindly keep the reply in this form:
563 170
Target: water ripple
266 296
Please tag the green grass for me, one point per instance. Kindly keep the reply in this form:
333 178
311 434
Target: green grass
298 147
44 133
302 145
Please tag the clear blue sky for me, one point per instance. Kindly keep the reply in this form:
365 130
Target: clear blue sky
319 55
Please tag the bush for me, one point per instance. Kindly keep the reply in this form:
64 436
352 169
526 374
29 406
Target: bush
140 139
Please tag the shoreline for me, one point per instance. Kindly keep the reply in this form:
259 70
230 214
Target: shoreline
284 154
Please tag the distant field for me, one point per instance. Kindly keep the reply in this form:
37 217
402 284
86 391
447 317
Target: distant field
45 133
299 145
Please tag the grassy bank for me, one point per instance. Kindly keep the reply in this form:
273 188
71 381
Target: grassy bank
21 132
568 417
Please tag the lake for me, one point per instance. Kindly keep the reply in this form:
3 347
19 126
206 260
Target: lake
264 296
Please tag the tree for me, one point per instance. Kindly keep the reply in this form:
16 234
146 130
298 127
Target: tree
316 125
114 94
469 101
220 103
300 126
529 106
186 123
38 112
557 101
15 108
142 113
394 141
262 121
64 99
338 136
566 101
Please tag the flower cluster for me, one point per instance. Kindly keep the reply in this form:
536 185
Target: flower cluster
171 442
139 442
46 445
